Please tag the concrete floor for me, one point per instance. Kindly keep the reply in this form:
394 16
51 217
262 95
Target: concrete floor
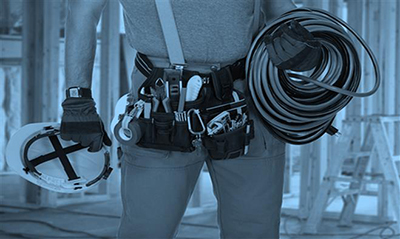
100 220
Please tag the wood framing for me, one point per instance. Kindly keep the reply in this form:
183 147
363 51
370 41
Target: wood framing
110 60
397 85
110 80
288 169
40 50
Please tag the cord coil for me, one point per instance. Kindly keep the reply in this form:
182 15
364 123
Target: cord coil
299 107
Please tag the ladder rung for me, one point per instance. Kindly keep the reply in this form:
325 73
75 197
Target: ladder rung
365 181
346 192
369 193
359 154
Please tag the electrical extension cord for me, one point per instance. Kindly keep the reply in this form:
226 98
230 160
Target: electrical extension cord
298 109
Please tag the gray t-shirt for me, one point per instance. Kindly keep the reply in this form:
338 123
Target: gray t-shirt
210 30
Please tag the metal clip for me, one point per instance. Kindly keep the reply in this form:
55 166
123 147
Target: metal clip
196 142
134 113
197 113
139 106
180 68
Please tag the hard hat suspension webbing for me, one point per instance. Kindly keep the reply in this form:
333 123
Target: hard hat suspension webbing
47 157
63 158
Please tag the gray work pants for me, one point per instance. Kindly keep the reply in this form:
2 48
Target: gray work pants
157 185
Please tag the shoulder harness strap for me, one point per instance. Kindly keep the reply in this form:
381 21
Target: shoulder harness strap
170 31
256 18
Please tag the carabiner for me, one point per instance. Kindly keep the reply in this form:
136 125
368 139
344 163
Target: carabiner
197 113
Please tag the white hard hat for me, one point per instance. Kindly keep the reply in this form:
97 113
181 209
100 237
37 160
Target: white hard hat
38 154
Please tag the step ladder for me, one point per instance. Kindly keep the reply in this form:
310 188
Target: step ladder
375 139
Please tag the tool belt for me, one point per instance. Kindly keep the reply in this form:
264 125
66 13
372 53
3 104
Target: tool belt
171 118
182 110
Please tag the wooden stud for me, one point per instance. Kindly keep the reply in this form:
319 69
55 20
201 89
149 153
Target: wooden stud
388 66
336 7
29 86
4 16
397 88
51 56
288 169
40 50
372 38
355 20
388 61
322 4
110 59
315 176
304 180
109 81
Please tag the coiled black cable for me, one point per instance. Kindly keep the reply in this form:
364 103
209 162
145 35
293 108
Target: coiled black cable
299 108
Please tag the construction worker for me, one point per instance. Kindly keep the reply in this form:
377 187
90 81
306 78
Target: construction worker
157 184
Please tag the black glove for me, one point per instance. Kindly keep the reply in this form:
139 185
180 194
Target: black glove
81 123
293 47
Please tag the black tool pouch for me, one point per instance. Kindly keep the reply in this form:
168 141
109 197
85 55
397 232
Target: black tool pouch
234 143
161 130
231 144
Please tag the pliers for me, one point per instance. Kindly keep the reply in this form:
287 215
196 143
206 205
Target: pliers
159 93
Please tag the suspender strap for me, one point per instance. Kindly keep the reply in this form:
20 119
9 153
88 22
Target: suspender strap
256 18
170 31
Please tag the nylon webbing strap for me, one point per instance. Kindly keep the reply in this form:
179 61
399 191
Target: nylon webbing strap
63 158
47 157
170 31
256 18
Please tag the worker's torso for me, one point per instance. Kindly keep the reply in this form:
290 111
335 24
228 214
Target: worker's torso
210 30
